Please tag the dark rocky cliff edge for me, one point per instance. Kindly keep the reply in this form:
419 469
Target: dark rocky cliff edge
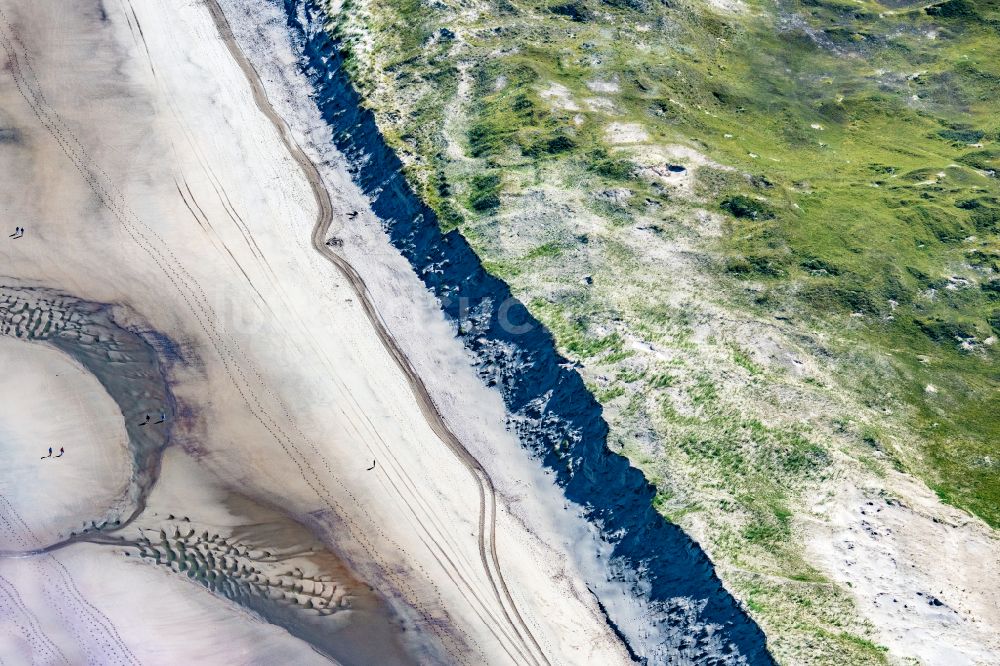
689 616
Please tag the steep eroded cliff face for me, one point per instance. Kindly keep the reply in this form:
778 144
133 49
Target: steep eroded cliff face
691 616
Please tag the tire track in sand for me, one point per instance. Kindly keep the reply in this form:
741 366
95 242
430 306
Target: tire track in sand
487 491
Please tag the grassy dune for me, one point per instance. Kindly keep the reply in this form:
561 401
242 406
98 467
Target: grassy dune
837 179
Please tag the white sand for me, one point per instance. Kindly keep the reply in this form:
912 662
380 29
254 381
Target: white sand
49 400
925 574
159 618
160 185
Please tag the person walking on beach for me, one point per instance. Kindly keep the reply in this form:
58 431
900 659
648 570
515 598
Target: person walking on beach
48 456
61 452
145 422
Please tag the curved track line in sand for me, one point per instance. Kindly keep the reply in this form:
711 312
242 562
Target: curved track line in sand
487 492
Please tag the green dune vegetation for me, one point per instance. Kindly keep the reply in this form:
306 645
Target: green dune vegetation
770 233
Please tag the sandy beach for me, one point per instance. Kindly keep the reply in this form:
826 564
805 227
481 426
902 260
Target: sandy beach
51 403
149 175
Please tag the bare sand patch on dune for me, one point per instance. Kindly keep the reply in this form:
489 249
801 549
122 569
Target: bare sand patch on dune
560 97
923 572
619 133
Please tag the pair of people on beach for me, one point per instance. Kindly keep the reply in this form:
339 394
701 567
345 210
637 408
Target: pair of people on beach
61 452
18 232
163 417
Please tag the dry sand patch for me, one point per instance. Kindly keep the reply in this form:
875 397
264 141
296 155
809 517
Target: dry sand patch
49 400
